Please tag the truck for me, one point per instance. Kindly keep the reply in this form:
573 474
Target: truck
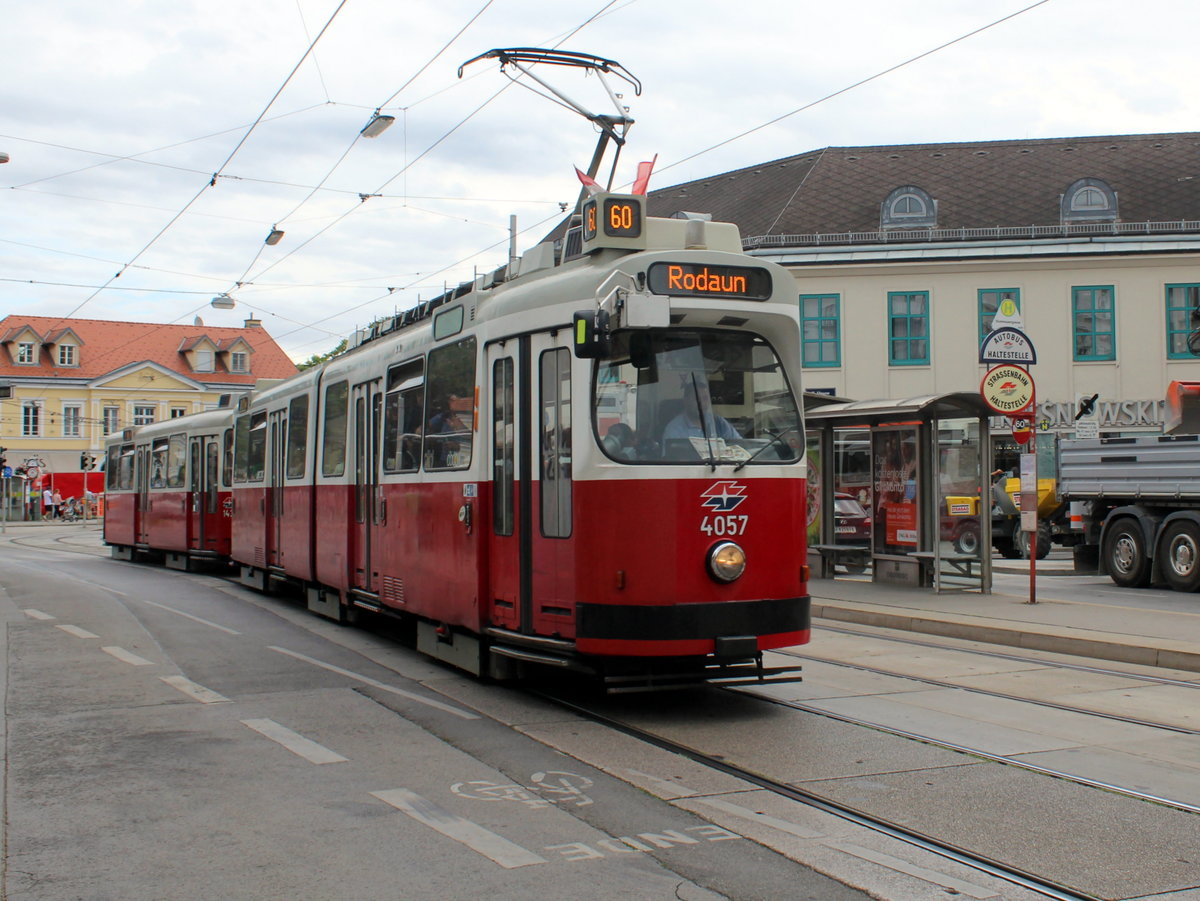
1135 507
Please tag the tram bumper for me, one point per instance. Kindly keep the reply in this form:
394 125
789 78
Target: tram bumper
727 630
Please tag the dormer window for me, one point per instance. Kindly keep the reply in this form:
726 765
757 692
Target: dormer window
27 353
908 207
67 355
239 362
1089 200
202 360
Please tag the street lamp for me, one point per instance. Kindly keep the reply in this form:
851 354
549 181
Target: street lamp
3 157
377 126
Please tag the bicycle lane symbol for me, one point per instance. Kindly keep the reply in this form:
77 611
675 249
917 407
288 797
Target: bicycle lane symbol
546 790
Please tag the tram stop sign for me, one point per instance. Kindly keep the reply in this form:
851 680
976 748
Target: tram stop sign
1007 389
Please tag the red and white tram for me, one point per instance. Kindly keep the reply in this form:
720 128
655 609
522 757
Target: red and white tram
167 490
592 459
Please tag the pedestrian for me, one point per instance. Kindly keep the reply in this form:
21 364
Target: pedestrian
56 503
47 502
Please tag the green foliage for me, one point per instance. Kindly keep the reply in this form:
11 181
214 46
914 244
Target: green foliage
318 359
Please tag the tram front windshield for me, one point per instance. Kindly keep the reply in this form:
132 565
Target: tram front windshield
695 395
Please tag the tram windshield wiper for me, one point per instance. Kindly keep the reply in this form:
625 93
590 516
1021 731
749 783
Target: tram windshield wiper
702 414
775 437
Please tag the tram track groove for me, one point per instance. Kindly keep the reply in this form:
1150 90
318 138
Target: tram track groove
945 850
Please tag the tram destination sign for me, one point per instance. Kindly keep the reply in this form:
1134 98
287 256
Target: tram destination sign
1007 345
706 280
1007 389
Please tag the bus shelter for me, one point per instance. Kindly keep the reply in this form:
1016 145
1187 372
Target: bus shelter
899 490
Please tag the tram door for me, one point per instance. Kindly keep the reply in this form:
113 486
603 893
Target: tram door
141 507
532 550
366 402
204 465
276 443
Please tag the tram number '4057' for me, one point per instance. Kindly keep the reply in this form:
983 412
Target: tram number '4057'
724 525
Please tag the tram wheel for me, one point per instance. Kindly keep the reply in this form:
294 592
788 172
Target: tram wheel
1125 554
1181 556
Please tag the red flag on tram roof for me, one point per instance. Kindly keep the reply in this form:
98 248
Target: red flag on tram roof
588 182
643 176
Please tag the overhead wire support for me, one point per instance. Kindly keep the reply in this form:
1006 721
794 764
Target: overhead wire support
613 128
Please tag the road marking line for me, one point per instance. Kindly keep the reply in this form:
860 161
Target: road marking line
127 656
77 632
457 711
38 614
294 742
483 841
194 619
190 688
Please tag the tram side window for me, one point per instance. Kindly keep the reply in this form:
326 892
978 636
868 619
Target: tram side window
176 461
450 423
297 436
241 441
555 390
111 481
158 463
504 452
333 444
256 447
402 415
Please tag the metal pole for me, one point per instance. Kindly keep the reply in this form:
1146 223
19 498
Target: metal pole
1034 534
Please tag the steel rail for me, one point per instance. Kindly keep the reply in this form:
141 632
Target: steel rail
896 831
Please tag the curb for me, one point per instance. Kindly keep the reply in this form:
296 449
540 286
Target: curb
1077 642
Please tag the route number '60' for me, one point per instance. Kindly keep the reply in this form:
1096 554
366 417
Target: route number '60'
724 525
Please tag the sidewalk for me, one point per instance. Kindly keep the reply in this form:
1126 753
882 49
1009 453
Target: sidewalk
1138 635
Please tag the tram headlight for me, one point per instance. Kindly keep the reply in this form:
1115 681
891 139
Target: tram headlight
726 561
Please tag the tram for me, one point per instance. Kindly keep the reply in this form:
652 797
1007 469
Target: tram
167 490
590 459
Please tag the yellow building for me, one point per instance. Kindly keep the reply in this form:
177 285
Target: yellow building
65 384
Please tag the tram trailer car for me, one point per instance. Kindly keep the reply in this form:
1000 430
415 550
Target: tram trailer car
167 490
521 467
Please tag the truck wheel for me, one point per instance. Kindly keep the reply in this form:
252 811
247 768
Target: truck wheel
1181 556
967 541
1125 554
1006 548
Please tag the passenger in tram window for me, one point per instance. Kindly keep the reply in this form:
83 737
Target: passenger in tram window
620 442
449 420
688 424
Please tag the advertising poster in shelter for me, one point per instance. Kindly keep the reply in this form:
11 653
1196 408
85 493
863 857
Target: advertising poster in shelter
896 497
813 491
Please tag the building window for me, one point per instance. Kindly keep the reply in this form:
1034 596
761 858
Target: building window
1089 200
908 207
31 419
26 353
143 415
202 360
1183 318
71 420
111 420
238 362
989 304
820 329
1093 323
908 328
66 355
176 412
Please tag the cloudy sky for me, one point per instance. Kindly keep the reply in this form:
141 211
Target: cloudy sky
117 116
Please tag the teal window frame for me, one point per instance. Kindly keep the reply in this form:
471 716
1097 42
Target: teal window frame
908 329
820 331
989 304
1181 300
1085 340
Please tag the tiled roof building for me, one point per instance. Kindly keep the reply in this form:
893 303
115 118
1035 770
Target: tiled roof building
65 384
903 254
